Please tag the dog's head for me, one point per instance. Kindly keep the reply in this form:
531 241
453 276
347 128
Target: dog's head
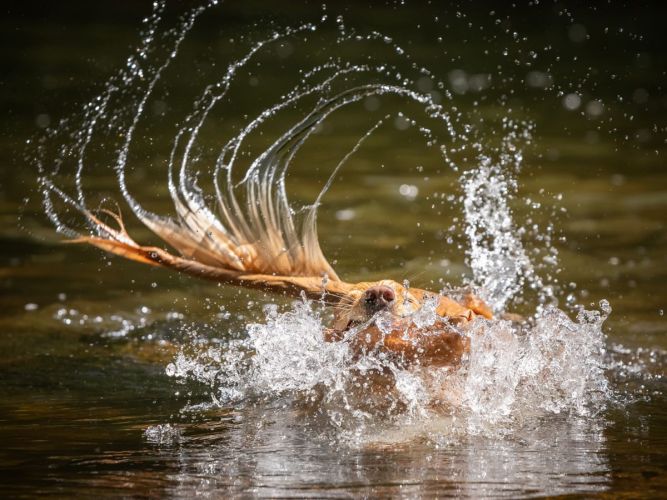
367 299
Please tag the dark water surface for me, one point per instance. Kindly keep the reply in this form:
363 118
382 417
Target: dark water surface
85 339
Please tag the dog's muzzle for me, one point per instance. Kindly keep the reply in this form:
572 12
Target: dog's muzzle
378 298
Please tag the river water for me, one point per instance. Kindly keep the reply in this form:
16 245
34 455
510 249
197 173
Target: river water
123 380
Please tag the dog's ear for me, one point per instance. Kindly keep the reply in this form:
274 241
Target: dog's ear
118 242
316 288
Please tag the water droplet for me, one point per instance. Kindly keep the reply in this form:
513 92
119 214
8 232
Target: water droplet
571 102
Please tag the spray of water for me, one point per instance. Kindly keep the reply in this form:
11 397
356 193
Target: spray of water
512 374
548 365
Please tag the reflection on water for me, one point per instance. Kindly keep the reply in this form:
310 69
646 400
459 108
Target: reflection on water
268 452
85 403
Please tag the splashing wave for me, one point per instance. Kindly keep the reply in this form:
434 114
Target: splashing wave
513 373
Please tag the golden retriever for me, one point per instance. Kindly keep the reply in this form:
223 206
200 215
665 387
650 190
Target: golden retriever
356 305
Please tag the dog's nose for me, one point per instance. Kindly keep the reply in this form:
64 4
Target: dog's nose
379 297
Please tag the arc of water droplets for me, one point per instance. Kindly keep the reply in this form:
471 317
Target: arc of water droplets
269 217
133 72
96 109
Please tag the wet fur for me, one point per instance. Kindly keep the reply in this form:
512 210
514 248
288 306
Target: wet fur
440 344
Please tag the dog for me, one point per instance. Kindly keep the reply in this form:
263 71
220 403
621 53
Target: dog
256 242
207 252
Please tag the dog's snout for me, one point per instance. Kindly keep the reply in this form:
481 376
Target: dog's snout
379 297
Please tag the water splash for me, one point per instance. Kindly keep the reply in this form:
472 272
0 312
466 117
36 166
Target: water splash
162 434
550 365
513 373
